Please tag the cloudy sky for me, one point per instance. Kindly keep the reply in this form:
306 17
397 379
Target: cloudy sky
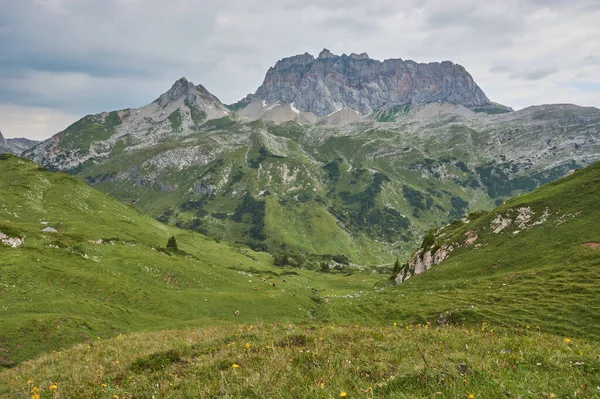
62 59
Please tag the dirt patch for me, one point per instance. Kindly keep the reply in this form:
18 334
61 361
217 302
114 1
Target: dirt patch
591 244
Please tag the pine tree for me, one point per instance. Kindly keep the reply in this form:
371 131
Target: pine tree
172 243
396 269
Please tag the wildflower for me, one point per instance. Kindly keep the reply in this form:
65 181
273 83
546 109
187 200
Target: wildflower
247 345
395 324
35 396
29 382
322 385
116 362
235 366
53 387
115 397
471 396
568 340
343 394
34 390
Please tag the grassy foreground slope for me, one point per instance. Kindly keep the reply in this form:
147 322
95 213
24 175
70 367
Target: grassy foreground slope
533 261
103 271
296 361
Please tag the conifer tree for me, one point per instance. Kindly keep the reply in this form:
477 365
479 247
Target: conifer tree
172 243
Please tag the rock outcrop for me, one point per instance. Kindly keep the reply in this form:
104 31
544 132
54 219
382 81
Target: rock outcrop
422 260
329 83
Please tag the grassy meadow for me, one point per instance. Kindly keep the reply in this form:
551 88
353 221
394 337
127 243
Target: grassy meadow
101 309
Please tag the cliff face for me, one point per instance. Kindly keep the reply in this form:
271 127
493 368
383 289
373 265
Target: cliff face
329 83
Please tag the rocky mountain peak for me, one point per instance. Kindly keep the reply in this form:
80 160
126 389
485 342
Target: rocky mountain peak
181 88
330 83
2 140
325 53
361 56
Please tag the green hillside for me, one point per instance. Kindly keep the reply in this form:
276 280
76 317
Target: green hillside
106 270
540 271
520 305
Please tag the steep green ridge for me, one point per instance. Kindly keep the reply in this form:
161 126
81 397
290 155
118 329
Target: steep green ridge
103 272
541 270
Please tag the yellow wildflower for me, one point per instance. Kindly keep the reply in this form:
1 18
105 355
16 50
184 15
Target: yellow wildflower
247 345
116 362
29 382
395 324
343 395
53 387
568 340
235 366
471 396
34 390
35 396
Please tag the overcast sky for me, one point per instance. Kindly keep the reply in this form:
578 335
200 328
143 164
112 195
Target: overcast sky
63 59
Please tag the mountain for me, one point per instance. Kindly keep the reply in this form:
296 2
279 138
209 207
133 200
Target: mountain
15 146
310 88
365 188
76 264
180 109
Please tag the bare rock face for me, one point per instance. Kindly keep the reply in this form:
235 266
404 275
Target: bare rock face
330 83
15 146
423 260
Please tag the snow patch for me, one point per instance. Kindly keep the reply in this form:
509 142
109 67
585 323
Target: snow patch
296 110
273 106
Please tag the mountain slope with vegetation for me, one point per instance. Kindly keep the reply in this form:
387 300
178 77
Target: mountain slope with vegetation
76 264
367 190
534 261
510 312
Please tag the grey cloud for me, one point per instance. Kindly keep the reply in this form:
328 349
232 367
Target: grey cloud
591 60
535 74
500 69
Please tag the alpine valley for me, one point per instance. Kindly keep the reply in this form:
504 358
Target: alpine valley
338 155
354 228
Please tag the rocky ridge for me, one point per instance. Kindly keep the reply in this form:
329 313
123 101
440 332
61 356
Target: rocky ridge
330 83
15 146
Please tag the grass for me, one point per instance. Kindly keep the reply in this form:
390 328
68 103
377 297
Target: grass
522 308
536 275
62 288
316 361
